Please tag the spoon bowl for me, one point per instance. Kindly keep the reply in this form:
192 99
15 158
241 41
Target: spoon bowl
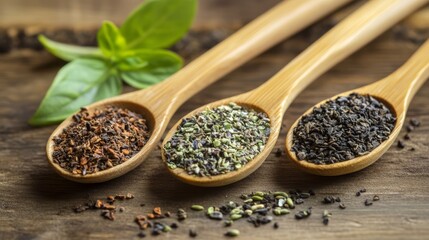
396 92
245 170
116 171
354 164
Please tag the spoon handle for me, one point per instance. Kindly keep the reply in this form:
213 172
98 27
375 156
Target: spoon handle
407 80
354 32
287 18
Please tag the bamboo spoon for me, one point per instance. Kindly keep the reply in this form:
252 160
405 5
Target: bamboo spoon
396 90
274 96
159 102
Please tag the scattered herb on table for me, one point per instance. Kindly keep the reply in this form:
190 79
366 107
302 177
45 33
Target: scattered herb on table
99 140
411 126
325 217
217 141
256 212
342 129
133 53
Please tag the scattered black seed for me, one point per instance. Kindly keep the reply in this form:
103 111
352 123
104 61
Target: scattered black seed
342 129
156 232
192 233
401 144
410 128
375 198
368 202
216 215
328 200
337 199
304 195
412 149
357 194
121 209
414 122
325 221
174 225
342 206
141 235
312 193
407 137
276 225
362 190
262 211
278 152
303 214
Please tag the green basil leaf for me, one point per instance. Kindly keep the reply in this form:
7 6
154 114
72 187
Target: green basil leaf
110 39
69 52
132 64
156 65
77 84
158 23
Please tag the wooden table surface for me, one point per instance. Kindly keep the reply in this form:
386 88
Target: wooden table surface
37 203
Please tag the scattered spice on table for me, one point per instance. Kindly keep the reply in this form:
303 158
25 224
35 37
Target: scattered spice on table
192 233
276 225
342 129
218 140
197 207
256 208
325 217
303 214
368 202
329 200
401 144
411 126
99 140
232 233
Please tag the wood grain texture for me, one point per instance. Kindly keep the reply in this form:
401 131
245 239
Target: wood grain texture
36 203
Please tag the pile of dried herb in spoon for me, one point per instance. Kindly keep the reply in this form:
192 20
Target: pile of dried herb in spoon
217 141
342 129
100 140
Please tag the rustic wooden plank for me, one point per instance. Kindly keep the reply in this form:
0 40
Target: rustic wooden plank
82 14
35 202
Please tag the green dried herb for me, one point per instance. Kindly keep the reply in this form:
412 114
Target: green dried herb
232 233
217 141
197 207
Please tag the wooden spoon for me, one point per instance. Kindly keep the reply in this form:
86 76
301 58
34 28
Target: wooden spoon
274 96
158 103
396 91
